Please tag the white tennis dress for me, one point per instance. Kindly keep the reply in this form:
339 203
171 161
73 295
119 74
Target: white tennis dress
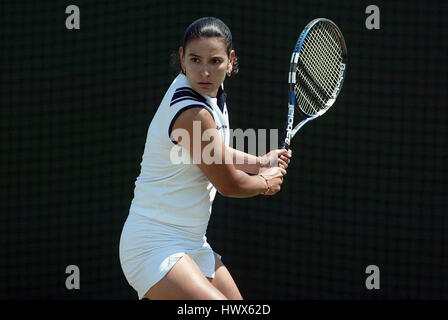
172 202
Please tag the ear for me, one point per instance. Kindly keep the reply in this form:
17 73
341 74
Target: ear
230 66
181 58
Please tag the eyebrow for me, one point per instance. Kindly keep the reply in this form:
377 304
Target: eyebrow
196 55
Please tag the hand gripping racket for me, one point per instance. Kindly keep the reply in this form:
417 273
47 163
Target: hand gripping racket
316 73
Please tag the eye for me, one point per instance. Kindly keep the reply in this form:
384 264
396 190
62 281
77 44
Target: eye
217 61
194 59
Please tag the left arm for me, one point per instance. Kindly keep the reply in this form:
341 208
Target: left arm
254 165
245 162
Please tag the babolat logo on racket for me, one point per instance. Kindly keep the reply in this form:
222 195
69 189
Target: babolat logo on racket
290 123
338 84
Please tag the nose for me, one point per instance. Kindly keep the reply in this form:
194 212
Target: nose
204 70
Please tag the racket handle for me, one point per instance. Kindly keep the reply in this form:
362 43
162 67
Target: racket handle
284 145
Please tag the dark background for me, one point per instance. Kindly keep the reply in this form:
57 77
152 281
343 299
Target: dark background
368 181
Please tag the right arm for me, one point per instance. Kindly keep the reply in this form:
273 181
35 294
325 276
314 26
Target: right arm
223 174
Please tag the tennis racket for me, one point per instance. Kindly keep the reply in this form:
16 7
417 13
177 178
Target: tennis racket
316 73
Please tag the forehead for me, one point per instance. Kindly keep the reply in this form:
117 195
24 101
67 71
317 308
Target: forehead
206 46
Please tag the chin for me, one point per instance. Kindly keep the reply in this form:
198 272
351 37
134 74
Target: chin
206 91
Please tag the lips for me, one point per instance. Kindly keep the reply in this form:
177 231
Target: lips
204 84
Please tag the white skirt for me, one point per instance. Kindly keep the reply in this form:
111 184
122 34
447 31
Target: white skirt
150 248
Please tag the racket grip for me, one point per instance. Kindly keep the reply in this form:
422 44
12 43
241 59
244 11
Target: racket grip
284 145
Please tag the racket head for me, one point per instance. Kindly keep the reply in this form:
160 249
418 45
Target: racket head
317 68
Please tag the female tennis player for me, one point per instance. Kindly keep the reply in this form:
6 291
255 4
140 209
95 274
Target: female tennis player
164 252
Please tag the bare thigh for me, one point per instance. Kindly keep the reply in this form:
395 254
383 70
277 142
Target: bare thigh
224 282
184 281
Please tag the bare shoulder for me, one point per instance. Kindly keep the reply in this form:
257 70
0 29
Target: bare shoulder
187 117
198 113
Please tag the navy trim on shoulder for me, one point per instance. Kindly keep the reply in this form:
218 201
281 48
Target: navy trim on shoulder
182 91
170 128
186 93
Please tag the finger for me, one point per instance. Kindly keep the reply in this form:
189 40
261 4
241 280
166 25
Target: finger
285 154
282 164
281 151
284 167
279 169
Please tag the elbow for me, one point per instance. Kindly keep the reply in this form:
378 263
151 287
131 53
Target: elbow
228 189
233 190
231 184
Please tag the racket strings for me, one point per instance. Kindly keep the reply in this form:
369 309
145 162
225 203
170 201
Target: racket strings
317 61
327 55
318 68
333 52
330 55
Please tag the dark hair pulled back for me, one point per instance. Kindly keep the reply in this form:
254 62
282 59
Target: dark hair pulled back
209 27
